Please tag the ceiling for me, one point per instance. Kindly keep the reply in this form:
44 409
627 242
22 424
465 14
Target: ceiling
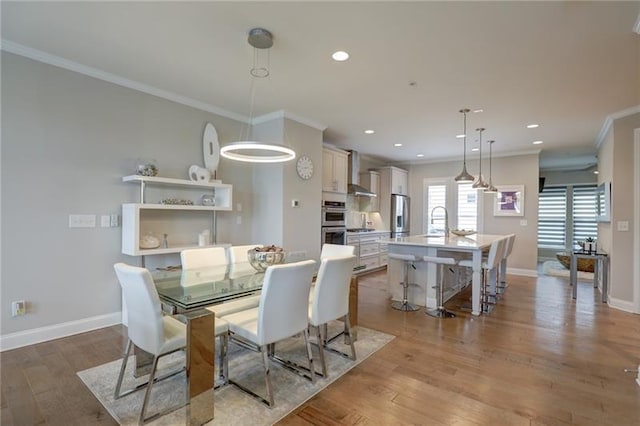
563 65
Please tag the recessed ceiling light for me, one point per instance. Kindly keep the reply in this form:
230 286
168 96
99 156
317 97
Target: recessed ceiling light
369 131
420 155
459 136
397 144
537 142
340 56
478 110
595 172
532 126
475 149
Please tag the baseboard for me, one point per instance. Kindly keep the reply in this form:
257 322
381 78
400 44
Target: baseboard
623 305
51 332
522 272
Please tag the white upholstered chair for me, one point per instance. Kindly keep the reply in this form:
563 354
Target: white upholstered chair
330 301
238 254
489 266
336 250
281 313
151 331
203 257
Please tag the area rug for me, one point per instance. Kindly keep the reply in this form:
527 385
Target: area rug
232 406
556 269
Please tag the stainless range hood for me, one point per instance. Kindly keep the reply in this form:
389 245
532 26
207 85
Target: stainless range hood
354 177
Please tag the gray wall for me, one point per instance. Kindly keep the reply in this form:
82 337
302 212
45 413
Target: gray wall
67 141
616 166
516 170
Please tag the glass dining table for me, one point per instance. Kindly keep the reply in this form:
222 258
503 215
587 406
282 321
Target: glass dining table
187 290
185 293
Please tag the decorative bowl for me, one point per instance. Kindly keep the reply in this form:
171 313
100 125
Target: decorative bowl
261 260
462 232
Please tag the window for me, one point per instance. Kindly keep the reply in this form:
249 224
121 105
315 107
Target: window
467 206
566 214
436 197
552 215
584 212
460 200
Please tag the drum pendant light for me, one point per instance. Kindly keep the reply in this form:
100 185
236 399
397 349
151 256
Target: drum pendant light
464 176
246 149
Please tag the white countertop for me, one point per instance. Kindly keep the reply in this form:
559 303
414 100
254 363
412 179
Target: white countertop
471 242
367 232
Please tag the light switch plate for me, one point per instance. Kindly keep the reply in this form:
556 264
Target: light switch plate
82 221
523 222
623 225
105 221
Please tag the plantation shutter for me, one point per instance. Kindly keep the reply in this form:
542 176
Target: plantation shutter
552 217
584 213
467 206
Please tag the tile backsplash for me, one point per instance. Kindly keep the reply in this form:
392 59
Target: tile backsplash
354 216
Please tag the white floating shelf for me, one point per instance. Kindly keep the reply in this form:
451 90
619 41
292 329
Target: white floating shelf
173 182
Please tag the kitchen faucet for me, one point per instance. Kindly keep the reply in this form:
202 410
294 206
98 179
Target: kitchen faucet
446 219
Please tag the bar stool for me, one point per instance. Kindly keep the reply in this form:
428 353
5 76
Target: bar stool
502 272
489 265
440 311
408 260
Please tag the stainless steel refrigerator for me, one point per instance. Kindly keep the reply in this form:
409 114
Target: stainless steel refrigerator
399 215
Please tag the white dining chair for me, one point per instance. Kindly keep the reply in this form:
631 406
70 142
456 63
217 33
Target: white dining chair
336 250
203 257
489 266
281 313
153 332
238 254
329 301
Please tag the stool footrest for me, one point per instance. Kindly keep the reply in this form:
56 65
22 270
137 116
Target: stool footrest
404 306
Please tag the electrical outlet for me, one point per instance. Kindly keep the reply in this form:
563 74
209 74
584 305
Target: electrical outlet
19 307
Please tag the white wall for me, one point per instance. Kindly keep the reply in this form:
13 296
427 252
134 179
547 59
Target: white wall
616 166
516 170
67 140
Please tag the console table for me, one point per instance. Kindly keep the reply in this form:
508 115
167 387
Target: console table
601 264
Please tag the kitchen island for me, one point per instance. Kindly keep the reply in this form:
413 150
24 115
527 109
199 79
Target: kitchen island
424 278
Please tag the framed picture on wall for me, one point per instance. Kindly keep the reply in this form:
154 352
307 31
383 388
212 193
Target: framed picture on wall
509 201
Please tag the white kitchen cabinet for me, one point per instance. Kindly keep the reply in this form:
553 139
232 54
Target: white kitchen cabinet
371 252
371 181
181 223
334 170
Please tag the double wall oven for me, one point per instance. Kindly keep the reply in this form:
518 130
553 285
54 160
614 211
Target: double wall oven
334 222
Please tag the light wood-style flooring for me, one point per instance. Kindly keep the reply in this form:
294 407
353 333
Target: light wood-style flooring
538 359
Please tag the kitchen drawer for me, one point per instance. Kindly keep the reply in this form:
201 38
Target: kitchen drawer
383 247
370 262
369 238
352 240
369 248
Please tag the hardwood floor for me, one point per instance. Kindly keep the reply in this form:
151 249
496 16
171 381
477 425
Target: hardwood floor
538 359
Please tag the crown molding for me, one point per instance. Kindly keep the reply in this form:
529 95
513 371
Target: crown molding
47 58
608 122
459 158
282 114
636 26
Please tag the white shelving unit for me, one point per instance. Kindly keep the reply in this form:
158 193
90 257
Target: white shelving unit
143 217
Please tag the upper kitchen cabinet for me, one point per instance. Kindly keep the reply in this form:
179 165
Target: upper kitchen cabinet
371 181
397 180
334 170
